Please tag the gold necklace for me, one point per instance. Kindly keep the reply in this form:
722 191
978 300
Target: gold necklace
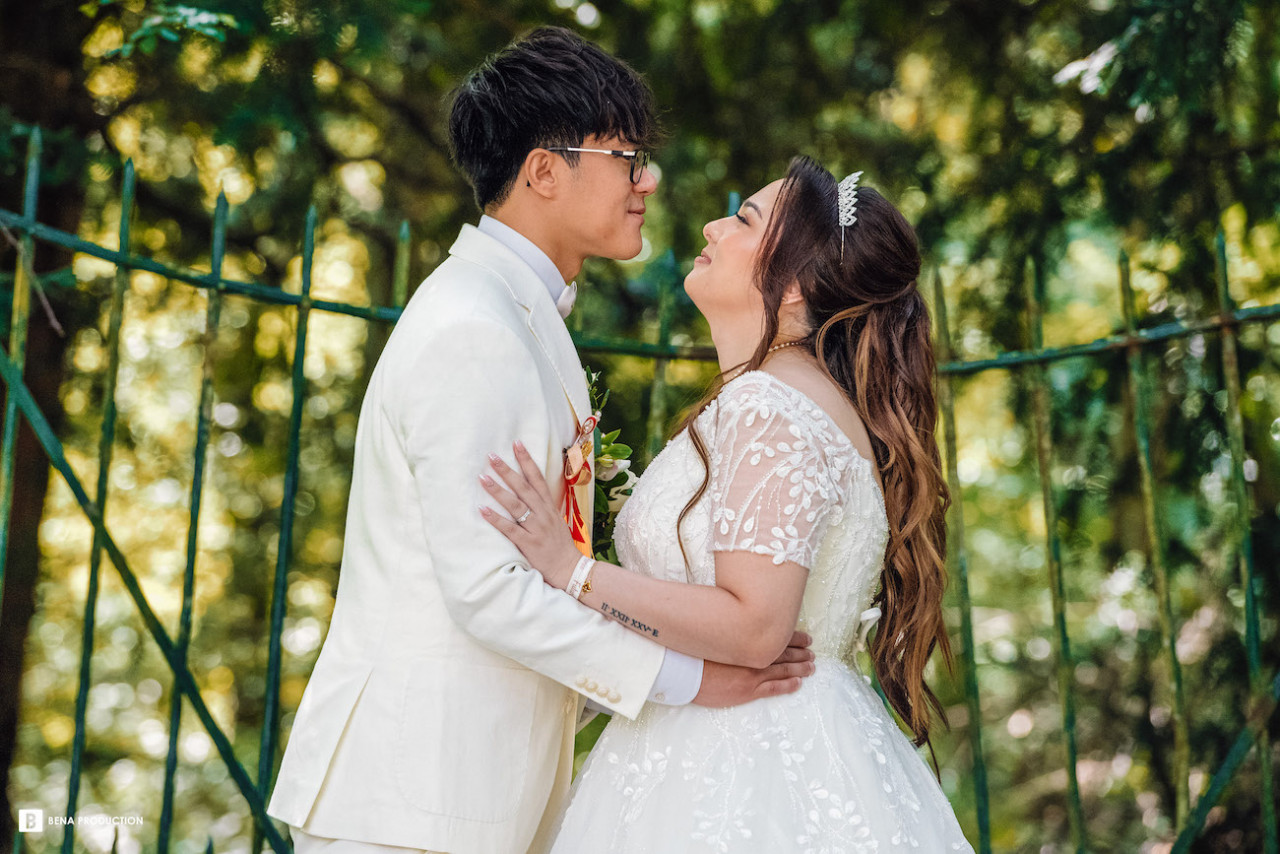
797 342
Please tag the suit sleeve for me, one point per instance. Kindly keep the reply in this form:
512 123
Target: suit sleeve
474 389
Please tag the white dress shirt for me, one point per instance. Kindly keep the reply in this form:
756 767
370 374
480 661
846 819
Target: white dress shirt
680 677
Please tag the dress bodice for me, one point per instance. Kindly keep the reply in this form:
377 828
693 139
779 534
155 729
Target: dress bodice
784 482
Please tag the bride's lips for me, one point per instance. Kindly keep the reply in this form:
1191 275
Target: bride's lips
704 258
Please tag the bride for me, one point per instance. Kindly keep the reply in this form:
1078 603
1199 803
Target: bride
804 490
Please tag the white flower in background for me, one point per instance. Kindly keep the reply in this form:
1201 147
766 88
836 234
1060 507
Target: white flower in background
1089 70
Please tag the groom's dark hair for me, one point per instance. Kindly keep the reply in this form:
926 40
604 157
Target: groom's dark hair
549 88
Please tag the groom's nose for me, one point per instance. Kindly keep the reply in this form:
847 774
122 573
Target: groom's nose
648 182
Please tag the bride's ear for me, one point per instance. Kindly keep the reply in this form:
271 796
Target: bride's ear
793 311
792 295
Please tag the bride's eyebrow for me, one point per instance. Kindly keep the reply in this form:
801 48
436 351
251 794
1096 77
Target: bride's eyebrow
750 204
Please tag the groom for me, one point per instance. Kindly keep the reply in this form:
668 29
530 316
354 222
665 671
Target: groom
442 710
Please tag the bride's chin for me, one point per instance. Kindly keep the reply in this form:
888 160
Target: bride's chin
691 292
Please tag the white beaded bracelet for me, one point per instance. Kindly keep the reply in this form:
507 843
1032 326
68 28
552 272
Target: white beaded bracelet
580 581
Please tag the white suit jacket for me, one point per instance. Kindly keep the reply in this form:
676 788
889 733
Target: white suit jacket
440 713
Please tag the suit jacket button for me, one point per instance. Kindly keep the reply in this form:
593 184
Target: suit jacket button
590 685
660 697
582 681
615 697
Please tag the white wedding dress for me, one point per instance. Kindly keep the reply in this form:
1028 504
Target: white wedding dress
822 771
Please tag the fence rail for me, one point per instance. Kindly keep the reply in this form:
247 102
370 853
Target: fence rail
1028 365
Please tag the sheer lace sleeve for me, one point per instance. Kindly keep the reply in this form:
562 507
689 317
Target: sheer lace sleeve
772 491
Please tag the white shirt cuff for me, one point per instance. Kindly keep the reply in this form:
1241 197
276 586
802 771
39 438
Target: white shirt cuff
679 679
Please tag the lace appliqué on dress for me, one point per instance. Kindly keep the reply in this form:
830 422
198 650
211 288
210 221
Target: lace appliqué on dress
775 485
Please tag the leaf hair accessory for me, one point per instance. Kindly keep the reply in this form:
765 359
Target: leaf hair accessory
847 205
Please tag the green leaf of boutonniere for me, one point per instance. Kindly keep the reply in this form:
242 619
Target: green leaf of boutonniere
614 477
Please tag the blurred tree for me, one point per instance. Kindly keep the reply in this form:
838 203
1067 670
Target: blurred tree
42 78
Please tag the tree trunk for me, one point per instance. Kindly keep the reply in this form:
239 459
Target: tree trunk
42 76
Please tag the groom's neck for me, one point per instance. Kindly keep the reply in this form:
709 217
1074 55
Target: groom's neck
545 232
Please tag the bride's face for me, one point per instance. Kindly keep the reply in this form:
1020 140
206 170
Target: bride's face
721 283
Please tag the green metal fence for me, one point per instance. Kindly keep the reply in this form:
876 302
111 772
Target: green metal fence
1029 365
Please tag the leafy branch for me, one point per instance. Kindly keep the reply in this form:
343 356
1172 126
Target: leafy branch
167 23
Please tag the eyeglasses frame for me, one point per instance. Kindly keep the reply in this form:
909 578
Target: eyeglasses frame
640 156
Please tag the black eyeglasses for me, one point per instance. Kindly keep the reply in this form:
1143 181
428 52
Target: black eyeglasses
639 160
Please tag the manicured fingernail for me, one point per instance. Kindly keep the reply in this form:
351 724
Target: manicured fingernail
484 511
495 459
519 445
486 480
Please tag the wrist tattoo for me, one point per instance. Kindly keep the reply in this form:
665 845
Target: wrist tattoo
615 614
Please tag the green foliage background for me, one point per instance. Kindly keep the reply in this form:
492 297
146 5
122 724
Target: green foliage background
1045 130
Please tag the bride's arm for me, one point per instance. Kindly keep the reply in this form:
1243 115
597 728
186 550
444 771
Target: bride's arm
746 619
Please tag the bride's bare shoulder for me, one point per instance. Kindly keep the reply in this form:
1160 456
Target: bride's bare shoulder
806 377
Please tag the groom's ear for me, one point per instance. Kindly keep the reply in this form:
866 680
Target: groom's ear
540 173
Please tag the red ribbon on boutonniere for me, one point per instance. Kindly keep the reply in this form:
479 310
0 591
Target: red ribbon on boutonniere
578 476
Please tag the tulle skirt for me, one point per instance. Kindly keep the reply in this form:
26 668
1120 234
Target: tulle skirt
822 771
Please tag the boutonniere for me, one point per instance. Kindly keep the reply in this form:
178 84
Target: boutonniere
578 468
614 478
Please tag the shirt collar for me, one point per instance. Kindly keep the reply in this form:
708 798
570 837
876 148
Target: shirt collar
528 252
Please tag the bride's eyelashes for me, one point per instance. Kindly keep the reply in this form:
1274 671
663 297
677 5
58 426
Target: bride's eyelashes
742 219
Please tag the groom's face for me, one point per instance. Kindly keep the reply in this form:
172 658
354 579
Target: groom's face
604 209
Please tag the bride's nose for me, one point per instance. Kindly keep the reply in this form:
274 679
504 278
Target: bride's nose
711 231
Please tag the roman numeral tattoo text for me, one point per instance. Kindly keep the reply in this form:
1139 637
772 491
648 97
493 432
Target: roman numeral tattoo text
625 620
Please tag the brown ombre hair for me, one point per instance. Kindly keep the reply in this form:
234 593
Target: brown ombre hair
871 334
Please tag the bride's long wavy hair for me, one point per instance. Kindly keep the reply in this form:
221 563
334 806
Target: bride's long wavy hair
871 327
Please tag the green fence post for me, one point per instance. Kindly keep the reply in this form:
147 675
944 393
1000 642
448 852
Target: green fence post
400 280
203 417
1242 539
958 566
279 594
1155 539
184 681
106 442
1259 719
657 426
18 341
1057 587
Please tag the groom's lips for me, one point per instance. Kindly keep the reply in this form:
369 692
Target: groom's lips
639 213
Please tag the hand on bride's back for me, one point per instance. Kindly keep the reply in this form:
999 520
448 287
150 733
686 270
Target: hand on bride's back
729 685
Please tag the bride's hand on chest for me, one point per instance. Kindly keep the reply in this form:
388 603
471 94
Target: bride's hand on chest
533 521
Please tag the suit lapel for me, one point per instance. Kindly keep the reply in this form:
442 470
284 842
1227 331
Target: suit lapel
544 322
553 336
